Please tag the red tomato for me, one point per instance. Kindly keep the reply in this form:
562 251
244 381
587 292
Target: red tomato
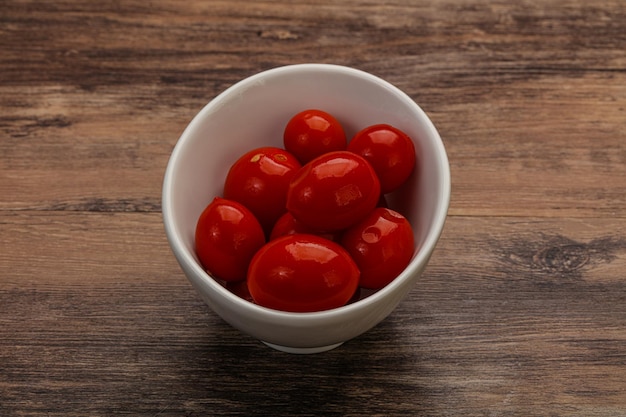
333 191
288 225
227 236
259 180
382 246
302 273
312 133
390 151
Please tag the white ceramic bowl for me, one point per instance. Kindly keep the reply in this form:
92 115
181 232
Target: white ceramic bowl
253 113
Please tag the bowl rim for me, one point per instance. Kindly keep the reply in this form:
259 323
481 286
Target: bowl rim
271 315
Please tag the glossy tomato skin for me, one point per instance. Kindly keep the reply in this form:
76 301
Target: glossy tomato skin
288 225
302 273
226 238
259 180
333 191
390 151
312 133
382 245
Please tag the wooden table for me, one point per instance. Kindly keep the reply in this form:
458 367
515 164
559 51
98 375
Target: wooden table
521 312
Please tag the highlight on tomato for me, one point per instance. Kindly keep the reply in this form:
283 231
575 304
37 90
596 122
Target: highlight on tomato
288 225
382 246
259 180
302 273
311 133
390 151
333 191
227 236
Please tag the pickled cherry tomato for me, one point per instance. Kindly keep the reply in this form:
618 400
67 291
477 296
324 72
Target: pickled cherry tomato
288 225
312 133
333 191
227 236
307 228
390 151
259 180
302 273
382 245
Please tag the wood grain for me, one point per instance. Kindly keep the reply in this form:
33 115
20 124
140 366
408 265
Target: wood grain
535 326
521 312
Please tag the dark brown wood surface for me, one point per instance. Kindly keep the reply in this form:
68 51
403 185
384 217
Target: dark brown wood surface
521 312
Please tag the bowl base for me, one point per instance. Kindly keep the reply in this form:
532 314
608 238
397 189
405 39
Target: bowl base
303 351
